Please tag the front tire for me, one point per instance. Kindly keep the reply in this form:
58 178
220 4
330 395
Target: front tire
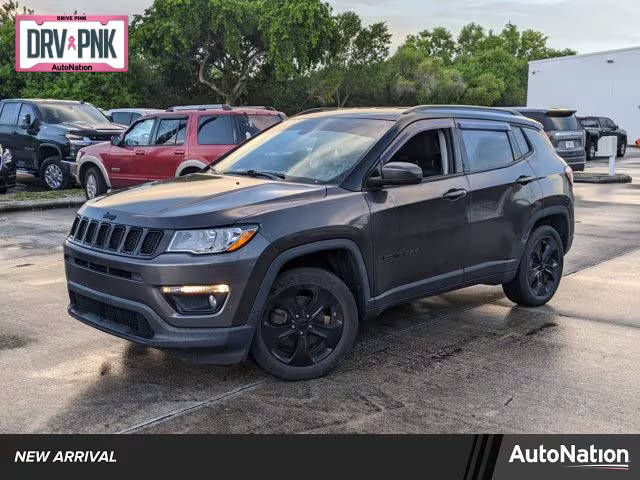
54 175
540 269
309 324
93 183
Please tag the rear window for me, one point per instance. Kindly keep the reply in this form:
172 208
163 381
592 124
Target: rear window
551 123
215 130
590 122
123 118
250 125
521 142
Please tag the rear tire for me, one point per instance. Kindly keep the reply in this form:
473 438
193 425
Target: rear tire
93 183
3 190
54 175
622 148
591 150
540 269
309 324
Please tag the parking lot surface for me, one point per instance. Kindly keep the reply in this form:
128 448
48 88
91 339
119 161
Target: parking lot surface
466 361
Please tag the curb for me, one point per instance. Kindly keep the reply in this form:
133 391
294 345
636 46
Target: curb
18 205
584 177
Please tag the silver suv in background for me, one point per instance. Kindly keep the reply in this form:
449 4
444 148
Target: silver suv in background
565 132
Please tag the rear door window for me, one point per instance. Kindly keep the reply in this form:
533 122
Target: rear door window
9 114
215 130
171 131
590 122
487 149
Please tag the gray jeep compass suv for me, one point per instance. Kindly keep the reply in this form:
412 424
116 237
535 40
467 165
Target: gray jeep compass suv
296 236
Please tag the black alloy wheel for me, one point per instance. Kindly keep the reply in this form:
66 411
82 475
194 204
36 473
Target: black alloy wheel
303 326
309 323
544 267
540 270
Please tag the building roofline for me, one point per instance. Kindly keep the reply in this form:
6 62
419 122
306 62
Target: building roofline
590 54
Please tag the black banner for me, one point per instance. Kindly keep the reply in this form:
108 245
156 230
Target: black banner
466 457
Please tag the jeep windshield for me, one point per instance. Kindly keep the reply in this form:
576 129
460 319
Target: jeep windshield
316 150
71 112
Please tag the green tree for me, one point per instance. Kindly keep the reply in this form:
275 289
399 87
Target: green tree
225 43
437 43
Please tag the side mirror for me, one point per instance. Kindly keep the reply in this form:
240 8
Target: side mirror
397 173
115 140
25 121
615 127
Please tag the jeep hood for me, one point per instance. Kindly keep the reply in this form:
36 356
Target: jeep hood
200 200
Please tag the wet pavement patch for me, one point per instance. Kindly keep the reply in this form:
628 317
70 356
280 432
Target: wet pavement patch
10 342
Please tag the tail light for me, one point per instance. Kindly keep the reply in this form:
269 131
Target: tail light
569 173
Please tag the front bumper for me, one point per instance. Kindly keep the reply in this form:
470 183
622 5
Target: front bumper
133 307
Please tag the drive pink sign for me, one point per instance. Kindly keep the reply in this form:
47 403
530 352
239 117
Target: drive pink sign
72 43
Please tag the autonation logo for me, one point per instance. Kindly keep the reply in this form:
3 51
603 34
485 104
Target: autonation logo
573 457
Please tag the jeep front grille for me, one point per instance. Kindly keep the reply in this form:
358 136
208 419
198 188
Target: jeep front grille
115 238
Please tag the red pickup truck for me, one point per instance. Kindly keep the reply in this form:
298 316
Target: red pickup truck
168 144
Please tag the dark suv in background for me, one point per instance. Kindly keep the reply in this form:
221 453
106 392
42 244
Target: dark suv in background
604 127
44 136
565 132
292 239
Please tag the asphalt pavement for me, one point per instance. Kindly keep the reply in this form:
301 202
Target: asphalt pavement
466 361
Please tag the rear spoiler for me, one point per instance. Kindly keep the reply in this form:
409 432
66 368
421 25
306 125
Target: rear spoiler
560 112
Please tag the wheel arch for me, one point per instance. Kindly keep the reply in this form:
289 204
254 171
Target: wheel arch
557 217
46 150
87 162
340 256
190 164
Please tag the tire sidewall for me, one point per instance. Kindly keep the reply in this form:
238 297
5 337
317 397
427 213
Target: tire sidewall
534 238
622 149
101 186
326 280
65 173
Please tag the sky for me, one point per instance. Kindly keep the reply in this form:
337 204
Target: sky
583 25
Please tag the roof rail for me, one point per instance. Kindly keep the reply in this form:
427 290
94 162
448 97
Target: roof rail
421 108
257 107
221 106
316 110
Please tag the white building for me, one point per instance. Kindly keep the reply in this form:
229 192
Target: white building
603 84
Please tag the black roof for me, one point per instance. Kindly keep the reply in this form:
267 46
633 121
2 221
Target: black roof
398 114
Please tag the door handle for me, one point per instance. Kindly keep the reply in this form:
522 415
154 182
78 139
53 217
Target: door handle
139 152
455 194
524 179
179 152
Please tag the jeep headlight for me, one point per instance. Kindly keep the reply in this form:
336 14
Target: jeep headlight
211 240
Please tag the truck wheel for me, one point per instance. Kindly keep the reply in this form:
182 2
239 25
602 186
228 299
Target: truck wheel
622 148
591 150
540 269
310 322
53 174
93 183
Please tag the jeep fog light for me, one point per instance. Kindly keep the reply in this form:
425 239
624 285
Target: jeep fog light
196 299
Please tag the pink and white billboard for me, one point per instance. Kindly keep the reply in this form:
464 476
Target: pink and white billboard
72 43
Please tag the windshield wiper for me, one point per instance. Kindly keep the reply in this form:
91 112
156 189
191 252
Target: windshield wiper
256 173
